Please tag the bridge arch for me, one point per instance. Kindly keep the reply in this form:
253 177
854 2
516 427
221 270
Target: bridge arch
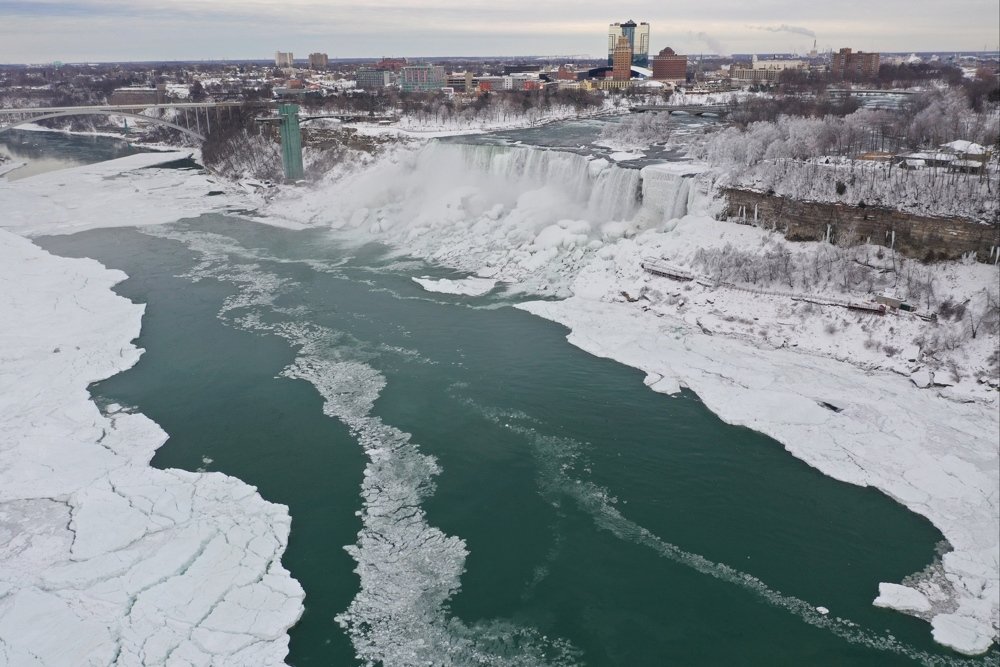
105 112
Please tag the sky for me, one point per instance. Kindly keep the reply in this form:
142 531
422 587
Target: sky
38 31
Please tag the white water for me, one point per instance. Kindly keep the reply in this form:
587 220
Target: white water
563 224
520 215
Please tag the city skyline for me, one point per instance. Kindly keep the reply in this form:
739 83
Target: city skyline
109 30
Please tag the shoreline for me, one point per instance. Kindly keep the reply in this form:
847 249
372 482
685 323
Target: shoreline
781 394
109 546
936 455
668 374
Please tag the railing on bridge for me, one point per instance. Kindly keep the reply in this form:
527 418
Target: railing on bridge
692 109
291 136
12 117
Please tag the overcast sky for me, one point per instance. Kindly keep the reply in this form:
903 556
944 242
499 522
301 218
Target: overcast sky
103 30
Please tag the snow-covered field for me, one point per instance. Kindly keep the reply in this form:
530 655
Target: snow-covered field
833 386
103 559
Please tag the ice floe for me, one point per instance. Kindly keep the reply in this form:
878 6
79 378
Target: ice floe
466 286
104 559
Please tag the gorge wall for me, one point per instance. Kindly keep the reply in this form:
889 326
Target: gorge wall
921 237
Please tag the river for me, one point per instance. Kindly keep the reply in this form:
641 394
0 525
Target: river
506 498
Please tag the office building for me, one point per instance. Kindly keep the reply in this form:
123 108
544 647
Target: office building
318 61
668 66
134 95
763 71
416 78
638 39
283 59
621 60
373 78
853 66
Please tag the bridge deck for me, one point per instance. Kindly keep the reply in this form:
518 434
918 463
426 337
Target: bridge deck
117 107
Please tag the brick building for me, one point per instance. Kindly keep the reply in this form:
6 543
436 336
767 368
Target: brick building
126 96
391 64
318 61
621 60
415 78
668 66
854 66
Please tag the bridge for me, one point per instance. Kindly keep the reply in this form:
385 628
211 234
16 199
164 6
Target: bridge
288 117
152 113
692 109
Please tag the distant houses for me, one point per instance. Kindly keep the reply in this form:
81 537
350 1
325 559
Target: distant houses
960 155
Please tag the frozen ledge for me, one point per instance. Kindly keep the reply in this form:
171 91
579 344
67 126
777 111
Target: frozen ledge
104 559
936 457
125 192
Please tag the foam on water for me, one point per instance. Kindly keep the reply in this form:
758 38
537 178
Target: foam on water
558 457
409 570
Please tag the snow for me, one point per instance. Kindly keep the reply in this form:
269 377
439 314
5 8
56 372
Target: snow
557 224
965 147
936 457
901 598
131 191
7 166
104 559
624 156
467 286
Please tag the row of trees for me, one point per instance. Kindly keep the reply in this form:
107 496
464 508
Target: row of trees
816 157
936 118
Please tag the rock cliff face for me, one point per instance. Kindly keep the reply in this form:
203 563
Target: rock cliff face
913 235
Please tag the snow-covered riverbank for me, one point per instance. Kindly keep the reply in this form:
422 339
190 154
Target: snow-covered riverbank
125 563
101 545
553 223
829 386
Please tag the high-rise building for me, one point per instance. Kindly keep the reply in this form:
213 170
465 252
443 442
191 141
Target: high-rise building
283 59
621 60
422 78
638 39
668 66
318 61
849 65
373 78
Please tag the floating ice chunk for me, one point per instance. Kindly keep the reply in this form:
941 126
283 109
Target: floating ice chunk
466 286
965 634
901 598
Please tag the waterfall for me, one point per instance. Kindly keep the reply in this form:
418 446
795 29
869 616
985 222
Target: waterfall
446 194
600 190
669 192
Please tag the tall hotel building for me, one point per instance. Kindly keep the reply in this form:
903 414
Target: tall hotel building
638 39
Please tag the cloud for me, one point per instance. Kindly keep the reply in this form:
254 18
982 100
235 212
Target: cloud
794 29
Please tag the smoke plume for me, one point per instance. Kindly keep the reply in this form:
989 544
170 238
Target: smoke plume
712 43
794 29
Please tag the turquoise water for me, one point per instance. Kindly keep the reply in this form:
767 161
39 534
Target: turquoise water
605 524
